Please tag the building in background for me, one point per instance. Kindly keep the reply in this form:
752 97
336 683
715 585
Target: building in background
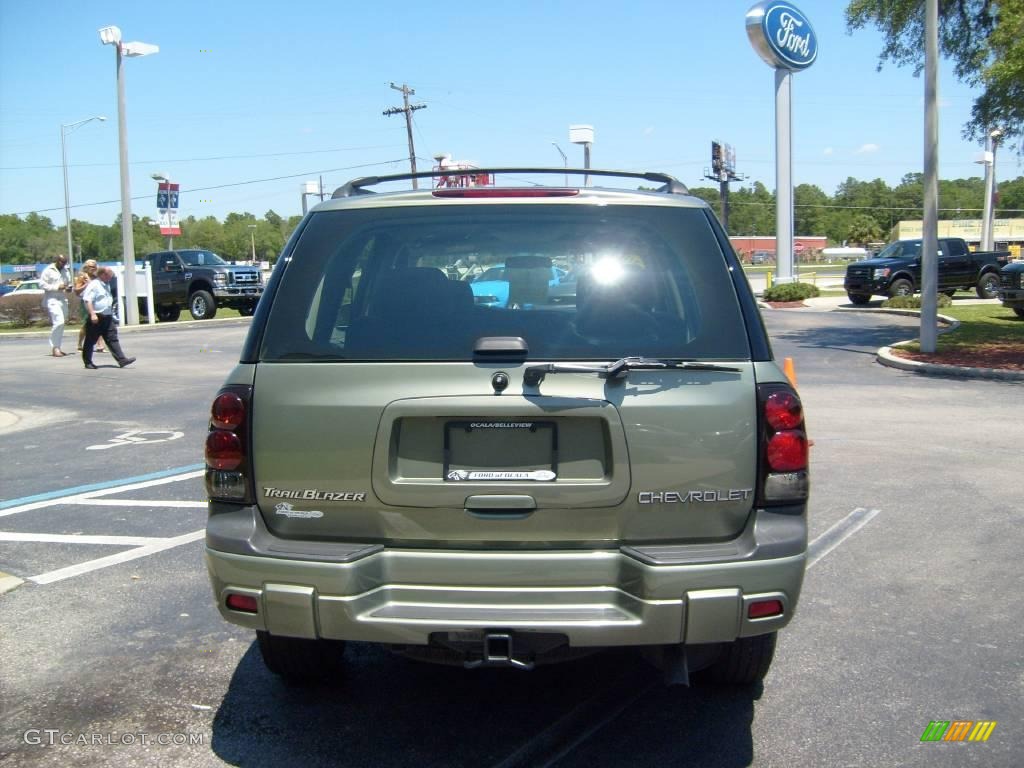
1008 234
806 248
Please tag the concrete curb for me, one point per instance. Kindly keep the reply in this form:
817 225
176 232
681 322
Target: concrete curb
121 329
887 358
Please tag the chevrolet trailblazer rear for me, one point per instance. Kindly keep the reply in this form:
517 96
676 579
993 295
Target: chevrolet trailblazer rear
398 460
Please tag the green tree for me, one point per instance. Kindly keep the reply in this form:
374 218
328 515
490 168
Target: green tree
983 38
810 210
1011 198
864 229
752 211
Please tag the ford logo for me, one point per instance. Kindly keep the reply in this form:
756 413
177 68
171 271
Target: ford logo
782 35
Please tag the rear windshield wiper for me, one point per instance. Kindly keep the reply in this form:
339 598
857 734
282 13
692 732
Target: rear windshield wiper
535 374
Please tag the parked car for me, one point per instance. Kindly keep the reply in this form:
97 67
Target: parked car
493 287
27 288
1011 287
393 461
761 257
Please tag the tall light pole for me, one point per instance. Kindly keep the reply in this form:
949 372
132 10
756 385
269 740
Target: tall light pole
565 160
583 134
252 237
987 234
112 36
64 131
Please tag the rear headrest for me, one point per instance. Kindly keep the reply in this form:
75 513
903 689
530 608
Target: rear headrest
420 292
413 291
636 288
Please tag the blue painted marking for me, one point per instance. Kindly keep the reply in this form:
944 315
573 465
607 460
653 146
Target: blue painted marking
98 486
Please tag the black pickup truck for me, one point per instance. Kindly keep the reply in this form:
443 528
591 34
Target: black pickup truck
896 270
202 281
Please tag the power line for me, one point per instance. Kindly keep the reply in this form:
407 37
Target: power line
197 159
218 186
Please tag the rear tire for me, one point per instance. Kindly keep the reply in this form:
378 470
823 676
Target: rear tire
901 287
201 305
300 661
988 286
744 661
950 292
168 314
1019 311
859 298
247 310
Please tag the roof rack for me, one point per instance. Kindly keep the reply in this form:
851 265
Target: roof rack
671 185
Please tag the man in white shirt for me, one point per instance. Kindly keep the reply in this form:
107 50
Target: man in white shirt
56 283
100 305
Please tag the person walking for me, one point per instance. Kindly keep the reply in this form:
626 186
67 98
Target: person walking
82 279
56 283
100 305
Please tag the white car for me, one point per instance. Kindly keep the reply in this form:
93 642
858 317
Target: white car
27 288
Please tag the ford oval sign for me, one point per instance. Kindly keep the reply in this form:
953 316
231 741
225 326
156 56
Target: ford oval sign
782 35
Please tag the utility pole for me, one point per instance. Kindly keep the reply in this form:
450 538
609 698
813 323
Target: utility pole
407 109
723 170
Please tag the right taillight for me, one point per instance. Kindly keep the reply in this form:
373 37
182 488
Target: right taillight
783 446
228 471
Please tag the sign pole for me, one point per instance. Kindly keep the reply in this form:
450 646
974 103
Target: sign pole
784 39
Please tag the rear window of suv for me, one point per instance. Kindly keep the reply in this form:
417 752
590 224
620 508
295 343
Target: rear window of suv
577 282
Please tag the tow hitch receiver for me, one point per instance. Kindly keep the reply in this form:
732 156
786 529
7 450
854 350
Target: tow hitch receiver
497 652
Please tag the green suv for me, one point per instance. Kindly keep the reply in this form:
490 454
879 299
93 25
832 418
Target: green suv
394 462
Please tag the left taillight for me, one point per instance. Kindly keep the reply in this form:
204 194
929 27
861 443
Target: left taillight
228 465
783 446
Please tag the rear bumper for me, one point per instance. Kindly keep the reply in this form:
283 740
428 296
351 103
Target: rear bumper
626 597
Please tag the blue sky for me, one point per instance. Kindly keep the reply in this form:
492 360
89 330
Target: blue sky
245 91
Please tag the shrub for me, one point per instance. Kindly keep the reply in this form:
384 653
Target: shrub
22 310
914 302
791 292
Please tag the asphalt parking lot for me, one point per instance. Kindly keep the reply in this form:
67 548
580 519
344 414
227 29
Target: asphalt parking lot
908 612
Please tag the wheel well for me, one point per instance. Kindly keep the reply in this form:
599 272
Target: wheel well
199 286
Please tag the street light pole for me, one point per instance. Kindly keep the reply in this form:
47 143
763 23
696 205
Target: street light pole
252 237
112 36
565 160
64 131
987 235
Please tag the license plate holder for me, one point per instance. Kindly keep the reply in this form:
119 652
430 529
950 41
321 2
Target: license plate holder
490 450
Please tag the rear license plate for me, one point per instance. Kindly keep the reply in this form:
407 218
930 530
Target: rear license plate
501 451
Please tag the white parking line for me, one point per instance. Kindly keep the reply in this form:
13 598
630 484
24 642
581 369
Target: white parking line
839 533
141 546
76 498
140 503
70 538
121 557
